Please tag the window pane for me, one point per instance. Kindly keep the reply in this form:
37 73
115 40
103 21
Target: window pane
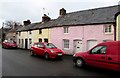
66 43
65 29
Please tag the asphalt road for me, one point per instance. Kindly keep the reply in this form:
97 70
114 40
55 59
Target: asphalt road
17 62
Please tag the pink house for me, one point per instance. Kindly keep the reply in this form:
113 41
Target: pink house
80 31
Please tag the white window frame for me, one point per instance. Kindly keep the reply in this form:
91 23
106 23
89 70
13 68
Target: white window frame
30 32
66 45
108 29
66 30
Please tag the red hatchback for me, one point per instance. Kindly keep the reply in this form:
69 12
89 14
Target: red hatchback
48 50
9 44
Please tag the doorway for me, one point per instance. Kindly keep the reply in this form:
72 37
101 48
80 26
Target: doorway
77 44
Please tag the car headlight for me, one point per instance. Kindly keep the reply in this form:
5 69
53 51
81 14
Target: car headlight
52 51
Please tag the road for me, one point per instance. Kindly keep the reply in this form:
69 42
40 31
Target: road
18 62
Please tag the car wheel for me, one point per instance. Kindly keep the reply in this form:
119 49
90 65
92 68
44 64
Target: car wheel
46 56
32 53
79 62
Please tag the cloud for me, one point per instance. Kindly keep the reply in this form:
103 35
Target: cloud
20 10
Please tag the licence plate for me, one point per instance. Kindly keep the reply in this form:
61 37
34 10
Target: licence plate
59 54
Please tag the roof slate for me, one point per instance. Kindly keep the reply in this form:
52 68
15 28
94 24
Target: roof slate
91 16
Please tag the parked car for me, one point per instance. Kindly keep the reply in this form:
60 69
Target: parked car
104 55
48 50
9 44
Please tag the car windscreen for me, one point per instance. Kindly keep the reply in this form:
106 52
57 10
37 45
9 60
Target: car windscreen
50 45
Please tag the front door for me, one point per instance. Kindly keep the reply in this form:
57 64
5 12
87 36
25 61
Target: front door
77 46
26 43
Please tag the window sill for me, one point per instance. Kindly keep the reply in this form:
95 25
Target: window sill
66 48
66 33
109 33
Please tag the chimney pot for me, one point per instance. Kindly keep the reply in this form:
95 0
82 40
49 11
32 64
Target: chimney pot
26 22
45 18
62 12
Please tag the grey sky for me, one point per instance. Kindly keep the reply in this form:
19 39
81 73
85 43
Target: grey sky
20 10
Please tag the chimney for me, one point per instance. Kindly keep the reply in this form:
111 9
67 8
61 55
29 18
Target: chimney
62 12
45 18
26 22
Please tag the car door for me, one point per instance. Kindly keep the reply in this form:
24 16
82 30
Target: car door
34 48
113 61
96 56
40 49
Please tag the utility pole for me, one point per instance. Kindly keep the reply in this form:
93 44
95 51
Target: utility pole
3 33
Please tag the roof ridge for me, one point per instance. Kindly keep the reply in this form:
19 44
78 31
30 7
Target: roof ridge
94 9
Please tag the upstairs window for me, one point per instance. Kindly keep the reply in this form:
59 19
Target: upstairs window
30 32
40 31
108 29
66 29
19 33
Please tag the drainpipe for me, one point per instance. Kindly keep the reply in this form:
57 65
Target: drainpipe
114 25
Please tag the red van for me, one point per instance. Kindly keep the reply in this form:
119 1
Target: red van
48 50
104 55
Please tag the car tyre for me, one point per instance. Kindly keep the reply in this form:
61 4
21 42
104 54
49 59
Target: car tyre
32 53
79 62
46 56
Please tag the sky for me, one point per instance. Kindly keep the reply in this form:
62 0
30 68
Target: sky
21 10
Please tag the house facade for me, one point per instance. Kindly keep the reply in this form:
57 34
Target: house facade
118 26
80 31
72 32
32 33
72 39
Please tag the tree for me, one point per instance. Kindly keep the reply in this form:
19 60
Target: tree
11 24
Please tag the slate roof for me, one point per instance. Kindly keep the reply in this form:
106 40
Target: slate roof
91 16
14 29
28 27
84 17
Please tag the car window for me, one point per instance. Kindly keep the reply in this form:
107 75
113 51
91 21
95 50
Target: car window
98 50
40 45
50 45
35 45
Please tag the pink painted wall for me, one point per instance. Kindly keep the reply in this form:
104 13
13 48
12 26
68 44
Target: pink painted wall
84 33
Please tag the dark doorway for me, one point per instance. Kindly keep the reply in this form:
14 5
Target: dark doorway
26 43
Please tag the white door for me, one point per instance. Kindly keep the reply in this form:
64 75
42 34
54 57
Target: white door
91 44
77 46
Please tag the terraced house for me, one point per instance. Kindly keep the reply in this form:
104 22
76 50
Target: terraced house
81 30
77 31
31 33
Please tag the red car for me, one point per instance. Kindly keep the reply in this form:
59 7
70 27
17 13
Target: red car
104 55
48 50
9 44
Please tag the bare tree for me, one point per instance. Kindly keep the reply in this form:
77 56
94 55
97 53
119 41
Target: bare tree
11 24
